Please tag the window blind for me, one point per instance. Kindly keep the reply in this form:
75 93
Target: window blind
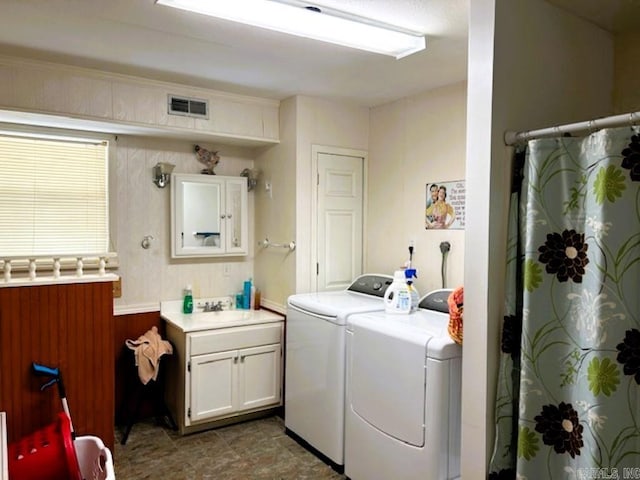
53 196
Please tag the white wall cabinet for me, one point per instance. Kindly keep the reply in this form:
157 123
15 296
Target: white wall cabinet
208 216
224 374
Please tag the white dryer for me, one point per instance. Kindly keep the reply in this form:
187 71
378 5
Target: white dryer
403 395
315 362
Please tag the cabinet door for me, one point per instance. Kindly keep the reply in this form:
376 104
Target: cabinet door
209 216
213 385
260 376
199 219
236 215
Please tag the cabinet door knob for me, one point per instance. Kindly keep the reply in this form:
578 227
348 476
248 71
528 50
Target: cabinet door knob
223 216
229 215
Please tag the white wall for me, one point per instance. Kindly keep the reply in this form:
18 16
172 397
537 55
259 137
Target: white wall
328 123
70 97
530 66
286 214
275 213
150 275
415 141
626 95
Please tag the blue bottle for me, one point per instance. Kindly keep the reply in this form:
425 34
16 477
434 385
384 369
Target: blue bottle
246 300
239 300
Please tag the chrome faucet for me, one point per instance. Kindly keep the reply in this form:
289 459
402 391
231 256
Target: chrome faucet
212 307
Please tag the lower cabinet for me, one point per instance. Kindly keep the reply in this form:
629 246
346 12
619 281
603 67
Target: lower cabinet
234 381
224 374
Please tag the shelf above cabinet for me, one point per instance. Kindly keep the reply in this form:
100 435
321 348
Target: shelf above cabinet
114 127
74 98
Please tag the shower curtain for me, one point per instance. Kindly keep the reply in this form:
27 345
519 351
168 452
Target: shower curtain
568 398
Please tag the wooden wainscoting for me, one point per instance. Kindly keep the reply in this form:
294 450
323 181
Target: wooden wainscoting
66 326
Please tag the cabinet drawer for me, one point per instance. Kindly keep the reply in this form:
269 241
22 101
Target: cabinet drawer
234 338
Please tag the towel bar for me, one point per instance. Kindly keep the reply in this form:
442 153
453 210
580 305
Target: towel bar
266 243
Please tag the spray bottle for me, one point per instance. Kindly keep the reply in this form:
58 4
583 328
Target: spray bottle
410 273
401 296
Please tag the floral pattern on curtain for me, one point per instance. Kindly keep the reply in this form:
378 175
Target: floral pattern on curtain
568 398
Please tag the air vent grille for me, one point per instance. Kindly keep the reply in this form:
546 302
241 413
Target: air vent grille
190 107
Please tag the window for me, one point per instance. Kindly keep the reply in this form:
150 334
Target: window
53 196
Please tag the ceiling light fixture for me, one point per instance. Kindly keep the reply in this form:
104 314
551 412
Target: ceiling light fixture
304 20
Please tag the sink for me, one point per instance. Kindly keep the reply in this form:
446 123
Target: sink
221 316
199 320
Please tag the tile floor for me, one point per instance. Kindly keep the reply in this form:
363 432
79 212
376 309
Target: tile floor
254 450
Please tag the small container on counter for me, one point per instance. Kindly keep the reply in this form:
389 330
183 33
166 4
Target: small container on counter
239 300
256 302
187 302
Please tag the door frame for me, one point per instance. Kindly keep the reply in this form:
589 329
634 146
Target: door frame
316 150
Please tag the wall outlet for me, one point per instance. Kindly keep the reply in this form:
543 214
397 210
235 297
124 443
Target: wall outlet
117 288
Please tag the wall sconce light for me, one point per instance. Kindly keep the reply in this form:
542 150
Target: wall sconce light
252 177
162 174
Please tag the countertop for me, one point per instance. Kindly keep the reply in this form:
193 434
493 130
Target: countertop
171 312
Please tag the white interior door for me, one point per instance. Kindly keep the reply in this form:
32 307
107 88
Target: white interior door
339 220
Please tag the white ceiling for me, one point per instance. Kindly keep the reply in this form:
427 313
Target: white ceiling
140 38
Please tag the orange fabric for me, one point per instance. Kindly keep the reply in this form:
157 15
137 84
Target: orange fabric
456 302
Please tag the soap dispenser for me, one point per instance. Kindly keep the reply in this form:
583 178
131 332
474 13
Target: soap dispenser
187 304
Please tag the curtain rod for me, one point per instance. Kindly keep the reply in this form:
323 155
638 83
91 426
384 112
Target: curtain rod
511 138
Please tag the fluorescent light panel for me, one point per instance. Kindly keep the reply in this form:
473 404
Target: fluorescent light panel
293 18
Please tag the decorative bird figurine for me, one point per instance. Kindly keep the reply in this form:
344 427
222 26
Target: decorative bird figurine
207 158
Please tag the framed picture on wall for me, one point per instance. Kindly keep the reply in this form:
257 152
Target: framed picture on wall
445 205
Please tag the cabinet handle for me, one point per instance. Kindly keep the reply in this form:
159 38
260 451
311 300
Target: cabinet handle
229 215
223 216
242 358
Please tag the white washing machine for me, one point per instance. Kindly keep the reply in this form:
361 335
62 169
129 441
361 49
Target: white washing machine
315 362
403 395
